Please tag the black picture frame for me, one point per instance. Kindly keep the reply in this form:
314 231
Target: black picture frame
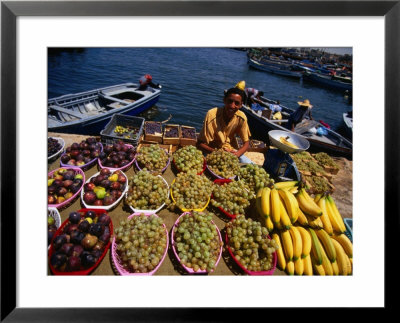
10 10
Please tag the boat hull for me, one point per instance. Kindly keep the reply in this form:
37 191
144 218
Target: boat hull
274 69
328 83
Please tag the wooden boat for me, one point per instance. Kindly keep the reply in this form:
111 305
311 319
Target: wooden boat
261 122
348 121
328 81
89 112
276 68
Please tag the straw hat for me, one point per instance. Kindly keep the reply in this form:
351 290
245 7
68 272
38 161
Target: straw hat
305 103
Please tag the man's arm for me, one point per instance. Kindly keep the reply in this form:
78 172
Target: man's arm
242 149
205 148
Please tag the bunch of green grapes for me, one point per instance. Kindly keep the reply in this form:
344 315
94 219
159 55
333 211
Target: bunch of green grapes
152 157
141 242
196 241
189 159
223 163
146 191
191 191
255 177
233 197
250 244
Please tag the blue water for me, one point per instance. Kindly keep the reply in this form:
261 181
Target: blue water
193 80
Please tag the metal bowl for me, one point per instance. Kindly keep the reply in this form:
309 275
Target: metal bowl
300 142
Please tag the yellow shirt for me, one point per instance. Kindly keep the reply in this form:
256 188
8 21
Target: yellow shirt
217 134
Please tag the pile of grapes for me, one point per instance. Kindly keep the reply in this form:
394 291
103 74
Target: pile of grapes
171 132
152 157
250 244
197 241
233 197
141 243
255 177
189 158
188 133
152 128
191 191
223 163
146 191
53 146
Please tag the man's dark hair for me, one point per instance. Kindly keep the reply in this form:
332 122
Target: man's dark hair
235 90
260 93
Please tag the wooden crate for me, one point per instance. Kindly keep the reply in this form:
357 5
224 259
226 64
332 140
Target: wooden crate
157 136
188 141
171 140
313 189
329 169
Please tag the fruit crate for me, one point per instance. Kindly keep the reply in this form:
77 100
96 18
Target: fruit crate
157 136
133 125
349 226
185 141
171 140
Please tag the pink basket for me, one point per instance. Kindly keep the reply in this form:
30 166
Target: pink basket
217 176
85 166
190 270
72 198
155 170
249 272
126 167
117 262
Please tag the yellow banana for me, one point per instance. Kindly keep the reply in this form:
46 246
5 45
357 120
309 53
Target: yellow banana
317 198
337 213
308 270
324 217
341 258
258 204
297 243
317 268
287 244
265 202
334 217
301 218
345 242
286 185
316 248
350 265
285 220
306 241
269 224
281 261
307 204
314 223
290 267
326 263
335 268
326 242
298 267
275 206
290 203
293 190
287 142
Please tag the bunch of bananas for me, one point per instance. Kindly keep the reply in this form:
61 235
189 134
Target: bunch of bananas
309 232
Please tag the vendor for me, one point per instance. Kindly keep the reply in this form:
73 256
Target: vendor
145 81
221 124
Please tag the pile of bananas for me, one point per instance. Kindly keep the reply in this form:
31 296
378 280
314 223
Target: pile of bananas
309 232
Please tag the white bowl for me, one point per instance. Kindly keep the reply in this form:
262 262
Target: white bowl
62 143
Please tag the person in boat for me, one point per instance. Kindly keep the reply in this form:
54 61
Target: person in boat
222 124
297 116
252 95
145 81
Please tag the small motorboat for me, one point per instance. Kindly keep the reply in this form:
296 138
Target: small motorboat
89 112
348 121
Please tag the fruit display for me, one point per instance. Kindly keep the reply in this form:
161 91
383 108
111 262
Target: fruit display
54 147
250 245
117 156
327 162
223 164
140 244
83 154
147 192
80 243
128 132
53 223
63 185
255 177
104 189
191 192
153 128
189 159
306 163
232 197
196 242
188 132
171 131
153 158
318 184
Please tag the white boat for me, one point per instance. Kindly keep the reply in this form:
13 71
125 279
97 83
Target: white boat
348 121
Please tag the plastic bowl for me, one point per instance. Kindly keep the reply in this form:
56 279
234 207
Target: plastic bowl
72 198
217 176
83 271
153 170
53 212
299 141
124 168
117 261
249 272
87 165
62 143
190 270
105 207
149 211
200 173
184 209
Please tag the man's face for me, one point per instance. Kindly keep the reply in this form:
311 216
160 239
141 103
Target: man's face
233 102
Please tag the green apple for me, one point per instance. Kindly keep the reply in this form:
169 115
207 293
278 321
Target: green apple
100 194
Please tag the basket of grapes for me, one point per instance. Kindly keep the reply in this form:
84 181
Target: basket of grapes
80 243
255 177
83 155
147 193
250 246
55 147
231 197
117 156
222 164
197 242
191 192
140 245
155 159
189 158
